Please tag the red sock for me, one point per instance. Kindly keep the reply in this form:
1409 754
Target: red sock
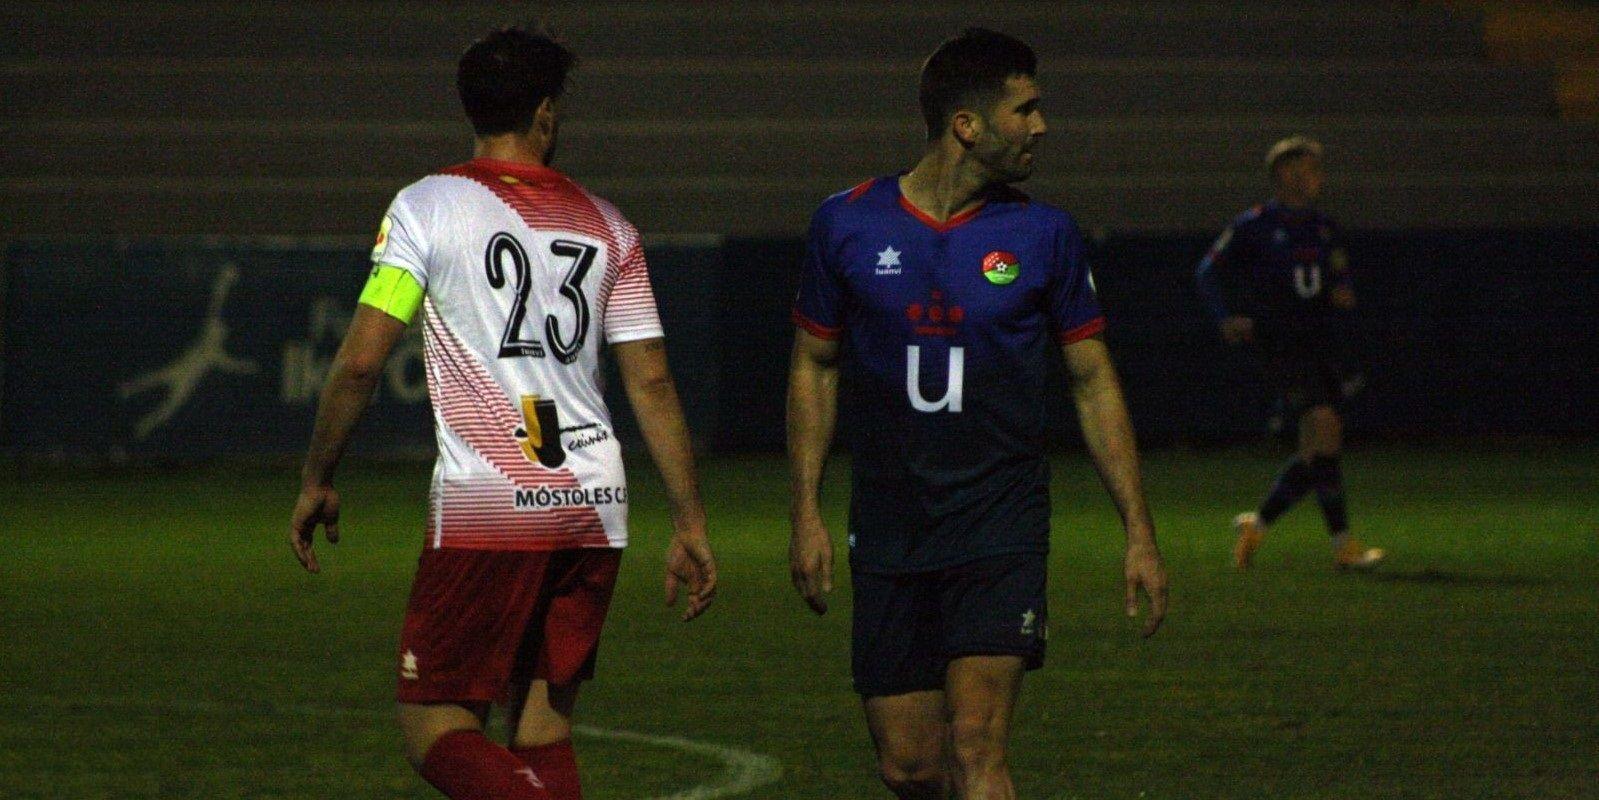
556 766
465 765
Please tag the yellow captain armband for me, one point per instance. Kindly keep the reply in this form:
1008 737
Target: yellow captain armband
394 292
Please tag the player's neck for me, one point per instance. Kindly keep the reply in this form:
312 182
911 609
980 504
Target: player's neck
943 185
1293 202
512 147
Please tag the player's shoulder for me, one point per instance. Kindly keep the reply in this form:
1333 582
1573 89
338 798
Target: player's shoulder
1257 214
861 201
429 192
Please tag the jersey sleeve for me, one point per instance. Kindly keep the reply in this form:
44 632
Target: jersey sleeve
1073 306
630 312
1214 277
402 240
819 307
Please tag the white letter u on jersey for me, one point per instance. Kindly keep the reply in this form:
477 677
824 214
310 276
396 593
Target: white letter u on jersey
952 393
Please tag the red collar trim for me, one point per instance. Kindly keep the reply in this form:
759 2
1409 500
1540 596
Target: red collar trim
518 169
947 225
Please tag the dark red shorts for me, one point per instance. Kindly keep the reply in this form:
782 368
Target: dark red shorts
480 620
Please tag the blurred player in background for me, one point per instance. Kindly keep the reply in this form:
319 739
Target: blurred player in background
1278 279
521 276
949 287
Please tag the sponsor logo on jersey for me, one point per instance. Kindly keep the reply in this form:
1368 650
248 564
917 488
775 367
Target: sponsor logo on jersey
1001 268
563 497
935 318
1029 622
888 262
540 434
408 667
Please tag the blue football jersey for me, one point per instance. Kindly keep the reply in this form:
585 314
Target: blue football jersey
1275 264
946 329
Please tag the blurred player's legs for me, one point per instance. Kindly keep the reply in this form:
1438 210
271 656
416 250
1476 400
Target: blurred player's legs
909 731
1315 467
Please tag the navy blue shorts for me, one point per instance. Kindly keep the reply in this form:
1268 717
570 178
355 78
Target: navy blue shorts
908 627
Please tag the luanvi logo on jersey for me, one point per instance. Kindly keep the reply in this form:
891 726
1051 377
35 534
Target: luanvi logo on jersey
1001 267
888 262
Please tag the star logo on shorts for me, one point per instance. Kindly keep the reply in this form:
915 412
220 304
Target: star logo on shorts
408 669
1029 622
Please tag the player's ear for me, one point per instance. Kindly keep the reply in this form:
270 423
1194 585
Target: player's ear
544 116
966 125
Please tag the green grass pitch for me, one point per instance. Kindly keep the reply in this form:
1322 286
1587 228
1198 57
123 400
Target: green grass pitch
157 640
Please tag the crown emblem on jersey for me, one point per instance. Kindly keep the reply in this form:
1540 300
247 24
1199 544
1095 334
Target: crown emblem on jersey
1000 267
540 434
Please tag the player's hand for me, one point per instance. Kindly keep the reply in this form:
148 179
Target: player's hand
318 505
1237 329
690 565
810 560
1146 571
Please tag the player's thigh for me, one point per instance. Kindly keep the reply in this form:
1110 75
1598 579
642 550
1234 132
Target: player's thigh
896 626
421 724
981 692
560 643
1321 431
908 731
996 606
542 713
464 623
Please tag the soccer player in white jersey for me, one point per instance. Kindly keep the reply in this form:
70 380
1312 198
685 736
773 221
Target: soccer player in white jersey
520 275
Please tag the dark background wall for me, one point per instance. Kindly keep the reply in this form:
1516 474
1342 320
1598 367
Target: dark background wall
1465 332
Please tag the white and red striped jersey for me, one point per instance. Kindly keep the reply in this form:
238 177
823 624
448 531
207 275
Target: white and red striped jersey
523 271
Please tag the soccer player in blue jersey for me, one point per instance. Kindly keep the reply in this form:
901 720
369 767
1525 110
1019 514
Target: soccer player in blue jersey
949 286
1278 280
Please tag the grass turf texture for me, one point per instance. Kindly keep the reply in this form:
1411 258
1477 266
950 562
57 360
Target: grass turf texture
160 641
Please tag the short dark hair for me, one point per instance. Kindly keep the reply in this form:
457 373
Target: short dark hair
504 76
968 70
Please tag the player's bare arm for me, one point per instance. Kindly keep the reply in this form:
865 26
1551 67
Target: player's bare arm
1109 434
812 411
649 385
351 380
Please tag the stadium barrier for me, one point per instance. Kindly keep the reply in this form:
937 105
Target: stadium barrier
194 348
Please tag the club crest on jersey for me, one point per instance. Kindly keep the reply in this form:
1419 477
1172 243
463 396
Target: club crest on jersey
1001 268
540 434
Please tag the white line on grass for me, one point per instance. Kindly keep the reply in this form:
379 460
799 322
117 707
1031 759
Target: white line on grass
742 770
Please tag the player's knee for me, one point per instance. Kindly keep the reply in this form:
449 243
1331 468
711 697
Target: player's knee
912 777
978 743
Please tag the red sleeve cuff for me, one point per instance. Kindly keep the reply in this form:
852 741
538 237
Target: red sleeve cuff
1082 331
815 328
